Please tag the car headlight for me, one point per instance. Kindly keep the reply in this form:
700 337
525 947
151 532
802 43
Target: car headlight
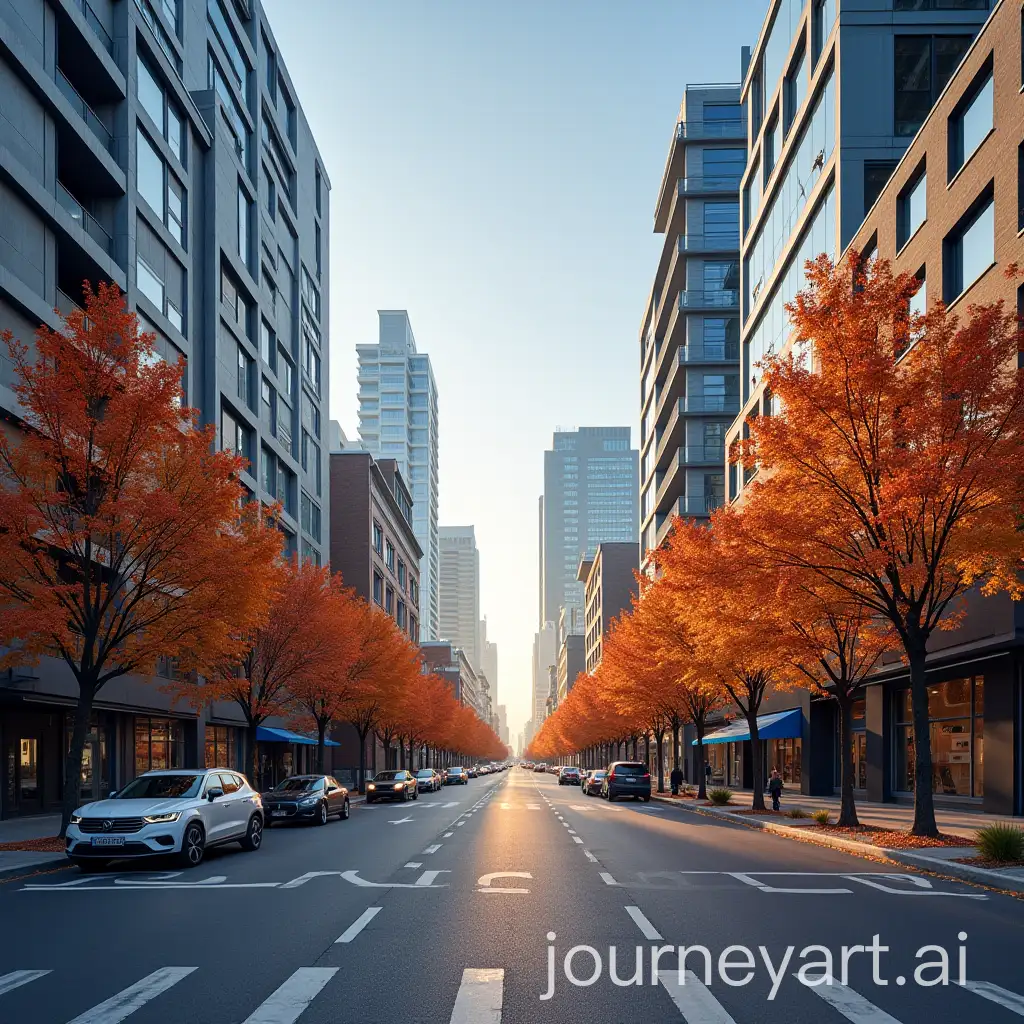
306 801
159 819
399 785
76 819
371 786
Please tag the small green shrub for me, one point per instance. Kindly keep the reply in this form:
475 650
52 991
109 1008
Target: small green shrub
822 816
796 812
1001 842
720 796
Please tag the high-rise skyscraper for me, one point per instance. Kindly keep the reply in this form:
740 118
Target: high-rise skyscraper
590 496
398 420
489 659
459 592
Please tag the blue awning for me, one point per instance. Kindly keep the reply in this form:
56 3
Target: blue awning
268 734
780 726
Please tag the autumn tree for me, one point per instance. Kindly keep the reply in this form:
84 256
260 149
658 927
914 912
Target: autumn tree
122 536
894 468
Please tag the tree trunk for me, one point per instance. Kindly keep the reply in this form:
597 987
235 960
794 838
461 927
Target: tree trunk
73 761
321 734
361 788
254 763
702 783
659 739
401 753
647 749
756 774
847 807
675 742
924 803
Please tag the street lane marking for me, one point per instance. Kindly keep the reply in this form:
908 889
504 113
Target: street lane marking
852 1005
605 877
533 807
459 824
590 856
694 1001
287 1004
743 877
480 997
576 839
454 803
427 878
414 864
571 832
9 982
358 924
448 835
128 1000
646 928
400 821
994 994
433 849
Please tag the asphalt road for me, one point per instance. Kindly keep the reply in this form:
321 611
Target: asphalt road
441 911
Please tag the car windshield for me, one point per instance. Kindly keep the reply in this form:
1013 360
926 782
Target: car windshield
388 776
424 773
295 785
598 775
161 787
454 771
630 769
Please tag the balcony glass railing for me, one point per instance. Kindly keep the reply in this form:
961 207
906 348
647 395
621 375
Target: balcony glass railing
719 242
710 404
717 299
728 352
85 219
84 111
96 25
703 454
699 504
709 183
726 129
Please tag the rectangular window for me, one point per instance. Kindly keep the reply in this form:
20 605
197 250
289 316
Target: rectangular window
163 113
285 372
389 555
389 599
969 250
823 16
911 208
268 401
234 302
772 147
267 346
244 376
721 221
400 614
149 173
795 91
378 539
268 468
971 122
876 175
225 33
243 223
318 181
401 574
378 588
922 67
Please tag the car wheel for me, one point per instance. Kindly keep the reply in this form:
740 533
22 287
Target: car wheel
405 796
647 799
611 797
193 845
90 865
321 815
345 811
415 794
369 799
253 834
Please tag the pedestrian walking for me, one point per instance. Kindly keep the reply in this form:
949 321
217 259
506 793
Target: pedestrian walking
775 788
676 779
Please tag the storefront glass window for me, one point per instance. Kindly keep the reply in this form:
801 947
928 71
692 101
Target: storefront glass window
159 743
715 755
787 757
956 726
221 746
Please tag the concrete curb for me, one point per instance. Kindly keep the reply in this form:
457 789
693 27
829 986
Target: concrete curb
907 858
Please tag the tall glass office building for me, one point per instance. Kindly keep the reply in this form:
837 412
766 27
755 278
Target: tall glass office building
398 420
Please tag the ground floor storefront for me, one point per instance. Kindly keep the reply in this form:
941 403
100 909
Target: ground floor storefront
975 722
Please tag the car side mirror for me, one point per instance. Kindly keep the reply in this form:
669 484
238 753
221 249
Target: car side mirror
212 794
112 794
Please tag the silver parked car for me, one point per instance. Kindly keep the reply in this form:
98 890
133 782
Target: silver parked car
177 812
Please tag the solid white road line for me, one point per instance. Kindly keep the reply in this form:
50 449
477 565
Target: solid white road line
590 856
433 849
480 997
1003 997
16 979
852 1005
286 1005
358 924
646 928
694 1001
127 1001
605 877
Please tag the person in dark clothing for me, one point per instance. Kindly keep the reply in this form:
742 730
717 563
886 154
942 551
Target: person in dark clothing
775 788
676 779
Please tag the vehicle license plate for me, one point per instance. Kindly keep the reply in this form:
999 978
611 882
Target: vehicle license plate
108 840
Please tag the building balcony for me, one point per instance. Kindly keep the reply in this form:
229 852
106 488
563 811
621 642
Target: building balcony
727 242
84 218
716 405
93 21
733 128
727 298
728 352
698 504
703 184
84 111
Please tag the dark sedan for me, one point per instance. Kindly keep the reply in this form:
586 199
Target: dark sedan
456 777
394 785
627 778
593 782
306 798
427 780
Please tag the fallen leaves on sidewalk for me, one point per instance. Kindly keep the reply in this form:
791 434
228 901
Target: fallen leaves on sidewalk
987 862
891 838
48 844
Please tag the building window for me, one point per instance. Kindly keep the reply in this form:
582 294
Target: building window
956 716
795 91
911 208
876 175
823 17
318 183
970 249
389 555
221 746
244 376
268 474
159 744
235 302
401 575
267 403
225 33
772 147
971 122
163 113
243 223
234 436
922 65
378 588
389 599
378 538
310 516
267 346
400 614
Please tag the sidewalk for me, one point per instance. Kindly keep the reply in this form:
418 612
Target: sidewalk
16 830
896 817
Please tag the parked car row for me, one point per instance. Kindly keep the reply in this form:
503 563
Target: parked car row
183 813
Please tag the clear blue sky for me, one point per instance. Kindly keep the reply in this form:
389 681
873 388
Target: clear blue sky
494 168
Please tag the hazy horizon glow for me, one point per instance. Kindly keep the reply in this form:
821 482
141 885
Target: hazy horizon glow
494 170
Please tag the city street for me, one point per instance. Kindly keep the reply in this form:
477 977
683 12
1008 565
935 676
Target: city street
441 910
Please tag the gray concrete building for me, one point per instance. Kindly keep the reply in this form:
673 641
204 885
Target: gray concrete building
689 337
161 146
610 586
458 592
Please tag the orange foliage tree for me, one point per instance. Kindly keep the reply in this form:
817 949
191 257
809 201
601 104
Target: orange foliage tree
894 470
122 535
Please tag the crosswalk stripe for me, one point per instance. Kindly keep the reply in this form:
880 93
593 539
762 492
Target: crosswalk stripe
358 924
851 1004
286 1004
646 928
693 1000
480 997
16 979
130 999
993 993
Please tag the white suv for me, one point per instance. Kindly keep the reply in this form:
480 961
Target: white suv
178 812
